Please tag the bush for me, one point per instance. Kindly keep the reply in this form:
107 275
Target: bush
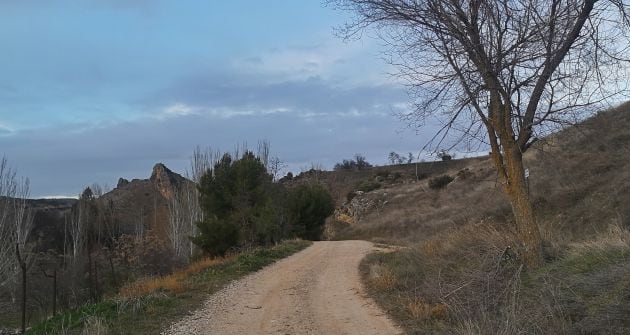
440 182
358 163
308 207
444 155
367 186
216 236
237 199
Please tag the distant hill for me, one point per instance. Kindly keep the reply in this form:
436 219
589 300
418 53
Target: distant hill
138 205
142 204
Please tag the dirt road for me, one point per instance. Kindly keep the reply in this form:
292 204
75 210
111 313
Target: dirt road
316 291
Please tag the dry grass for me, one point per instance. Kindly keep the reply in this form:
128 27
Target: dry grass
94 326
175 282
463 256
381 278
422 310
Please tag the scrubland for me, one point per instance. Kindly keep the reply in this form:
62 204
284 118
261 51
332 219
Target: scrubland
458 268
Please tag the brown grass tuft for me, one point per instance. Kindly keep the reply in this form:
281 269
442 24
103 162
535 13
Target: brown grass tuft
423 310
175 282
381 278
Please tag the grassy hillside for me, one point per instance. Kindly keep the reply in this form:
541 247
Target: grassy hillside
459 270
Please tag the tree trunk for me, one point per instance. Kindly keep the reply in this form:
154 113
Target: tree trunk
54 311
23 269
23 266
113 271
91 277
518 193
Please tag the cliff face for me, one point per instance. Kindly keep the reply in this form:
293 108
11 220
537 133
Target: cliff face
165 180
141 205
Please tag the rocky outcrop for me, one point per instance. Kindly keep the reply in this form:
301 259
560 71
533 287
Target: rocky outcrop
166 180
142 204
122 182
360 205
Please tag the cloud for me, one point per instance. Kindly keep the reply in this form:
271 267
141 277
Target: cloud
5 131
177 109
59 161
223 95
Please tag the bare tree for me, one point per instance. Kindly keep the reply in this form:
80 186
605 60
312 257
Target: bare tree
502 71
23 221
16 222
7 234
394 158
179 227
263 152
184 208
275 167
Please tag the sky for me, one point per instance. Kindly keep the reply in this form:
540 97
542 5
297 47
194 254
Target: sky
91 91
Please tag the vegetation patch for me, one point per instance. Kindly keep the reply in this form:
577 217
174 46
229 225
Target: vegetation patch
368 185
151 304
470 281
440 182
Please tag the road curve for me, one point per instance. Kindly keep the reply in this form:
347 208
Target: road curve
315 291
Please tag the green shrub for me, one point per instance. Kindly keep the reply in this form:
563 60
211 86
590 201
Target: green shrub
237 197
440 182
216 236
308 207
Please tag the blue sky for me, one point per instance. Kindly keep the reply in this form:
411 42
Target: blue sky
95 90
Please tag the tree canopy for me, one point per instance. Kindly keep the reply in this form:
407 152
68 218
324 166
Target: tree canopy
243 206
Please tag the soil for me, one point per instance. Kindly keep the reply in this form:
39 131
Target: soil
315 291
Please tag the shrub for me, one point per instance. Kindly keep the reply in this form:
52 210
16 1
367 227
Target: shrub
440 182
216 236
308 207
237 199
358 163
444 155
367 186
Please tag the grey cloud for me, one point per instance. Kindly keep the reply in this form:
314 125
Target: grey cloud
5 131
59 161
313 95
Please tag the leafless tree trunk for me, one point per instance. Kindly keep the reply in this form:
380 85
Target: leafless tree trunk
275 167
178 225
184 207
502 72
263 152
15 226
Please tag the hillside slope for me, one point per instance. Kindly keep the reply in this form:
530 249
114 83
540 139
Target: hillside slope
460 270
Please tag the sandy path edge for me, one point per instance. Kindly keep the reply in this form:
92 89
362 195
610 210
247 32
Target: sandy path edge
315 291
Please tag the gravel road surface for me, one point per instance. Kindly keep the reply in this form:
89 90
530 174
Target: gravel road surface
315 291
